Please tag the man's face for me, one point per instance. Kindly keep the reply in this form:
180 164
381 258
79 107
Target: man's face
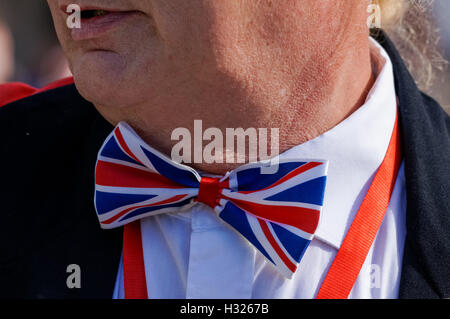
179 51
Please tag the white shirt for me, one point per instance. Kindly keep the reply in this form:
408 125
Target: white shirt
194 254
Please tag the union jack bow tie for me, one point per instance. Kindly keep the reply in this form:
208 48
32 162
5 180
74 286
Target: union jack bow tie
277 213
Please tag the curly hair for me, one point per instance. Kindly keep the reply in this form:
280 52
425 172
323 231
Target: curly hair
409 24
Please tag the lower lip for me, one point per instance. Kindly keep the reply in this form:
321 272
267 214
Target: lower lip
97 26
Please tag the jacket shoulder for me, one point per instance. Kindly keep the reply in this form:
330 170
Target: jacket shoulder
439 119
48 150
59 108
426 148
11 92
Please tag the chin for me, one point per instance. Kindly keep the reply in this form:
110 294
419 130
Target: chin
101 77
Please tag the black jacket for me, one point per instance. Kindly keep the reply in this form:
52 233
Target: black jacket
49 143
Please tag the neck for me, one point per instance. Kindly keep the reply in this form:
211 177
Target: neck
302 103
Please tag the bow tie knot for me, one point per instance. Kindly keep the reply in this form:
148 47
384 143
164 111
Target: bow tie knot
210 191
277 213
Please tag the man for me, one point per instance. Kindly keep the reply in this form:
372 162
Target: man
308 68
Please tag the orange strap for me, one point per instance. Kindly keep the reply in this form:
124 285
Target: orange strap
133 262
356 245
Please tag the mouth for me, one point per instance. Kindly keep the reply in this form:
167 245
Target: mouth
96 22
89 14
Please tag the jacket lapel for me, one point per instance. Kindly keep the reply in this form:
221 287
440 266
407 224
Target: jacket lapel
426 147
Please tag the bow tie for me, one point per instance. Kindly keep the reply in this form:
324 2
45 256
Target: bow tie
277 213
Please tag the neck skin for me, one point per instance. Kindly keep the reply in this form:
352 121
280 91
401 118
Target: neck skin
300 84
300 114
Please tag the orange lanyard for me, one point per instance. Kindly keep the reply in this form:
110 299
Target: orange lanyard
356 245
350 258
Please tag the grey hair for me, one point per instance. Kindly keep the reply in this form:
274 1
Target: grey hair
409 24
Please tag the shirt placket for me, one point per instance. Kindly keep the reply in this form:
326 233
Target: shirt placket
221 262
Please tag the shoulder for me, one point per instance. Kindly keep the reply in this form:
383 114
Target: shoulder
49 142
11 92
44 134
426 148
57 108
46 122
437 117
22 106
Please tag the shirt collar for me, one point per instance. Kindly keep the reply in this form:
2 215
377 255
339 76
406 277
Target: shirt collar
355 149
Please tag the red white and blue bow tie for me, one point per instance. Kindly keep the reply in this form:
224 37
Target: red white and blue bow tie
277 213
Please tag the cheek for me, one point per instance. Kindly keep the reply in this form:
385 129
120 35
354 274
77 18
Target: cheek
57 15
62 31
186 27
